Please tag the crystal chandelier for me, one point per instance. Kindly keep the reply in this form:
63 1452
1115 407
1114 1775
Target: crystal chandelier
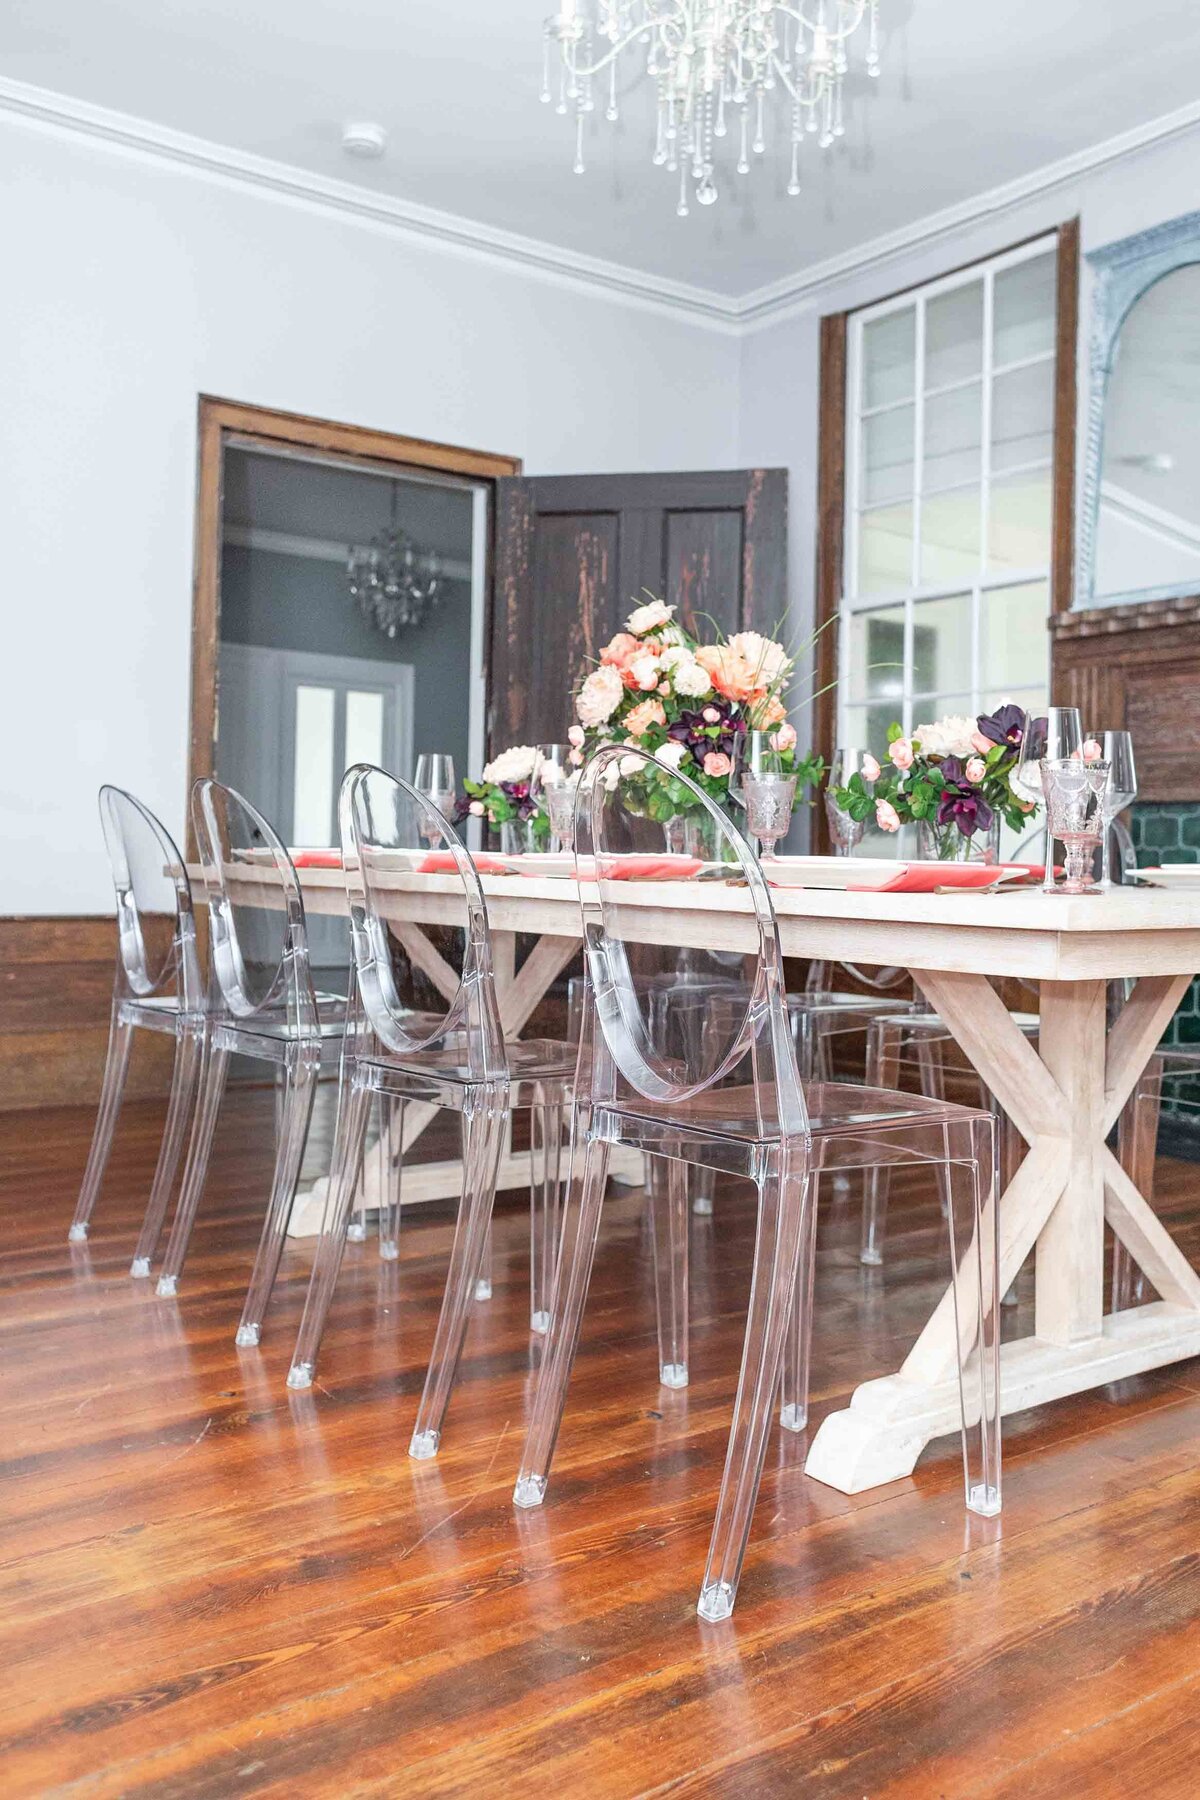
391 581
716 67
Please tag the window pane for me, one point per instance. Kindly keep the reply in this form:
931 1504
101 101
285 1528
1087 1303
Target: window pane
876 645
953 428
866 727
888 349
1019 523
312 794
1014 643
364 727
939 706
950 536
1023 416
1023 303
942 645
887 456
885 549
954 335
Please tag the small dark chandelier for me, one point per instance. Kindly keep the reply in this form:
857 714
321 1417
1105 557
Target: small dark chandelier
393 583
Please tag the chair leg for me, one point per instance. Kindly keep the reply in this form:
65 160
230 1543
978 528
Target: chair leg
670 1210
391 1177
783 1198
485 1122
189 1054
975 1264
1138 1143
797 1354
343 1181
545 1176
356 1230
298 1105
116 1066
214 1068
932 1070
581 1228
882 1071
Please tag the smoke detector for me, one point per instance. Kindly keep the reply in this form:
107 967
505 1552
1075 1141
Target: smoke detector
364 140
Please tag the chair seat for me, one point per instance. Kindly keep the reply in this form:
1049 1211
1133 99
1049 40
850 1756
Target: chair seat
159 1012
837 1109
271 1034
533 1064
869 1004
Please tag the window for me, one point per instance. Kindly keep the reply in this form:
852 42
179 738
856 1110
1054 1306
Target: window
948 498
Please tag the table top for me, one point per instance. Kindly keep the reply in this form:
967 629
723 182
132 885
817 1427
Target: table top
1127 931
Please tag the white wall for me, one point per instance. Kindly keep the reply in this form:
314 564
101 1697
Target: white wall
781 360
132 286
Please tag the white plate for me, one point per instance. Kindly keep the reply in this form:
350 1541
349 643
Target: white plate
830 871
558 863
1173 875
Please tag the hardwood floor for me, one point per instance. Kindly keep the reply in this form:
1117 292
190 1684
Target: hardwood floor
212 1587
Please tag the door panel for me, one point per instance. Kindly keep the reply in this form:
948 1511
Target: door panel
575 554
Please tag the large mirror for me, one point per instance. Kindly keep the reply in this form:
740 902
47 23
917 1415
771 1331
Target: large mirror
1141 513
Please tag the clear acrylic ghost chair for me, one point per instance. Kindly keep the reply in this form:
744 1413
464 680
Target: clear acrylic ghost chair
262 1004
763 1129
457 1058
1171 1079
157 987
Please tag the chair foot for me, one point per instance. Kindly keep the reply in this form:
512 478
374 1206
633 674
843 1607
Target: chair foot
423 1445
389 1250
139 1268
483 1290
530 1491
793 1417
673 1375
872 1258
716 1602
356 1232
77 1234
984 1500
300 1375
167 1287
539 1322
702 1206
247 1336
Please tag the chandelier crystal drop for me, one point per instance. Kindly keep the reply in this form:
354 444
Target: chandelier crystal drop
393 583
720 69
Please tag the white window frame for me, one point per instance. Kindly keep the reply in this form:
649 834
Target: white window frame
910 596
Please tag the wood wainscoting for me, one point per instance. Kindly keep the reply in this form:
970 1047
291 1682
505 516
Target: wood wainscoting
1137 668
56 980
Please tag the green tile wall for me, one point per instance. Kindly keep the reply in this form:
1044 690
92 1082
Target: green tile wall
1172 834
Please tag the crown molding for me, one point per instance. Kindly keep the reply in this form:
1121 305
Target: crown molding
62 113
724 312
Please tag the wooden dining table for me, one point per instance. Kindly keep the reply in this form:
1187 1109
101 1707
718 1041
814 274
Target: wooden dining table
1063 1093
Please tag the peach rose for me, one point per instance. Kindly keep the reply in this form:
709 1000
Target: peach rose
716 764
639 718
900 754
870 769
620 650
784 739
976 769
730 673
886 816
767 710
643 672
980 743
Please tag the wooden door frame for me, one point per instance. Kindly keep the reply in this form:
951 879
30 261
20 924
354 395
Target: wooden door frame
220 420
831 474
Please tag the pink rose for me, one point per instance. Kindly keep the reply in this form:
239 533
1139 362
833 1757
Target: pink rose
575 735
785 738
476 809
1092 751
901 755
575 756
716 764
711 716
886 816
871 770
980 743
976 769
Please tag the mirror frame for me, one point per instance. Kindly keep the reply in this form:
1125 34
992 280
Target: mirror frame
1122 273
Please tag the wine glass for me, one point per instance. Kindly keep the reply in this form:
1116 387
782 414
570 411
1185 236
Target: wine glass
1116 748
1064 743
845 833
553 788
434 780
1075 808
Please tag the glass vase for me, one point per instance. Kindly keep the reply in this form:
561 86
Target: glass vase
946 843
517 837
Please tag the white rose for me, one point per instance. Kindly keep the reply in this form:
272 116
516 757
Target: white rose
692 680
648 618
516 764
630 765
599 696
952 736
674 653
671 755
644 670
767 660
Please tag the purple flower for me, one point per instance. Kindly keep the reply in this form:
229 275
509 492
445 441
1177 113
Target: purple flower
1005 726
692 728
518 792
970 812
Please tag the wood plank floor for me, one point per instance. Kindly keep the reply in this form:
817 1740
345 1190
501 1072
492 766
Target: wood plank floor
212 1587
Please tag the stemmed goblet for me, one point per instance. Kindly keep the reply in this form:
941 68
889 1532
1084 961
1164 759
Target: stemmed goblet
845 832
759 782
434 780
553 786
1075 811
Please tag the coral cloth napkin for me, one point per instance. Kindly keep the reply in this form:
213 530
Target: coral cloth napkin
316 859
441 862
923 878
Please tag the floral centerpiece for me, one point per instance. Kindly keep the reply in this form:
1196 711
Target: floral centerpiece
956 778
658 689
503 797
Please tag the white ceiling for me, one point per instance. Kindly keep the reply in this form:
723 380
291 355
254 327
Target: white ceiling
975 93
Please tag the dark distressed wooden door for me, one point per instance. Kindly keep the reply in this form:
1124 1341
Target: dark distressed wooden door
575 553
